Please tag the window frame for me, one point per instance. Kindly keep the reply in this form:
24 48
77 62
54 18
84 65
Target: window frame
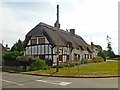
31 41
41 40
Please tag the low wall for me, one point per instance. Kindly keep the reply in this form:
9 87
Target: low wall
16 65
16 68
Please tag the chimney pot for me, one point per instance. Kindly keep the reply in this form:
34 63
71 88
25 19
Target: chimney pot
92 45
72 31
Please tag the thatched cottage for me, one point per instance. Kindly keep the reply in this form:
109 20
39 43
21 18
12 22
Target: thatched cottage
43 39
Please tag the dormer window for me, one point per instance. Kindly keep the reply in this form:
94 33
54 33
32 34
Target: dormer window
41 40
33 41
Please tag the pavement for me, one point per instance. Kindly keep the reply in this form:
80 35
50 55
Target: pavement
16 80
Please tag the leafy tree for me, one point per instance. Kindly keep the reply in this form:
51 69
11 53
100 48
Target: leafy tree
16 51
117 56
99 47
109 52
12 55
109 43
101 53
18 46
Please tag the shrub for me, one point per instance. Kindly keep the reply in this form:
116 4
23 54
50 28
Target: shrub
85 61
97 59
72 64
27 58
39 64
60 65
31 58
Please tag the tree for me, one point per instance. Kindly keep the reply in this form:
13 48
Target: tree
109 52
12 55
18 46
99 47
109 43
100 52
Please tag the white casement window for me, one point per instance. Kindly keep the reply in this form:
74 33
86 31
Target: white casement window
85 56
50 51
41 40
75 56
42 49
46 49
33 41
90 56
39 49
36 50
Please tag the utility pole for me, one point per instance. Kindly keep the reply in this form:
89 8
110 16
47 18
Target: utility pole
58 26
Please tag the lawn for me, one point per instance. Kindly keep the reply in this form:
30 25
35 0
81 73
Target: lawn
109 68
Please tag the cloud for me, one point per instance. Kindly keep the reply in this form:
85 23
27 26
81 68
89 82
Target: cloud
92 19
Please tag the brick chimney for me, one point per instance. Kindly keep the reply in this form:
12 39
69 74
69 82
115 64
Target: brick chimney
92 45
57 24
72 31
7 48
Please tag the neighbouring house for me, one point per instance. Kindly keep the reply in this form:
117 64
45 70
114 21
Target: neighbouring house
2 51
43 39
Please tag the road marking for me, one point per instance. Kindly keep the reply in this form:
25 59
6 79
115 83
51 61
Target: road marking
64 83
11 82
55 82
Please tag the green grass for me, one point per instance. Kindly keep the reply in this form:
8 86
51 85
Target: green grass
109 68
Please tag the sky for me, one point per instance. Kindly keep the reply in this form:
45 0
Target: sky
93 20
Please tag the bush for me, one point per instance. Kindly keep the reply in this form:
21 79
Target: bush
72 64
39 64
60 65
26 58
11 55
97 59
85 61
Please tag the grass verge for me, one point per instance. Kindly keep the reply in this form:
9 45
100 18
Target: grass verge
110 68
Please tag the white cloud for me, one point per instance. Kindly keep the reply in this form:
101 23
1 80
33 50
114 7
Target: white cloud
92 19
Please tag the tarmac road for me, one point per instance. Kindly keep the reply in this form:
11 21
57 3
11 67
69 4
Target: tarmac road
15 80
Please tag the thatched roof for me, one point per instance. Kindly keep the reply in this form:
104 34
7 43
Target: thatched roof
64 37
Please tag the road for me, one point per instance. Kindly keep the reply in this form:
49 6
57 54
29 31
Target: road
13 80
